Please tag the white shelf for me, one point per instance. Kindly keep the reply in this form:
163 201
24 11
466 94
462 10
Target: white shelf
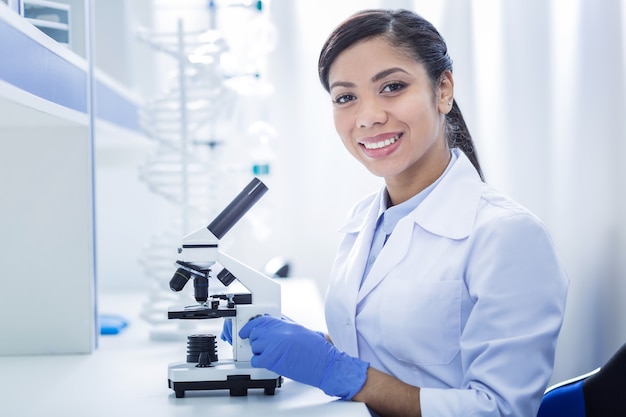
20 108
47 24
46 155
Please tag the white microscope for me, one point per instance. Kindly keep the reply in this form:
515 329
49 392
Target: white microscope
199 253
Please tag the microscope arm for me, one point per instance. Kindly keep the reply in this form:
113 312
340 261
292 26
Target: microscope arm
266 299
264 290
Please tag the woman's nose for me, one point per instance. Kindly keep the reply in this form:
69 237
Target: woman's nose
370 113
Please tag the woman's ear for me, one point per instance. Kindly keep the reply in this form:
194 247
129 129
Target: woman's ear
445 91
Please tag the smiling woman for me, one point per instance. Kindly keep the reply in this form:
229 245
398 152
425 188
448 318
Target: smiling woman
427 302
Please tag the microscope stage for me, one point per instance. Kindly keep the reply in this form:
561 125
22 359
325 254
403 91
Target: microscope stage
198 312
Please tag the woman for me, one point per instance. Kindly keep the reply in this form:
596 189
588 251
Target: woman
446 297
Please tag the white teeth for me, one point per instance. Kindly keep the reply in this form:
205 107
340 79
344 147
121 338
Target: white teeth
382 143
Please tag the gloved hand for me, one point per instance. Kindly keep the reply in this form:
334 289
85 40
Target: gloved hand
227 331
303 355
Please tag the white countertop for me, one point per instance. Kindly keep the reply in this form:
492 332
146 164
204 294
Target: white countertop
127 375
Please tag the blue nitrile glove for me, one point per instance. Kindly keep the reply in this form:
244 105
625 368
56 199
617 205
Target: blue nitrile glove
227 331
303 355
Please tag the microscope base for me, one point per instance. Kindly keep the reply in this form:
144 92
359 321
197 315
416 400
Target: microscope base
237 377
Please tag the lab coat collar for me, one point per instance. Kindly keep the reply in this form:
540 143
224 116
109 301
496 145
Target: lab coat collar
449 211
363 212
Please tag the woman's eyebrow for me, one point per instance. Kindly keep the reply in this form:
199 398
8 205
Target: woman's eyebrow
387 72
345 84
375 78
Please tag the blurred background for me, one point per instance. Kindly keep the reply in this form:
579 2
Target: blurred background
541 83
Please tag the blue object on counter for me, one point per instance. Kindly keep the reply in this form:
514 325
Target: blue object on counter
112 324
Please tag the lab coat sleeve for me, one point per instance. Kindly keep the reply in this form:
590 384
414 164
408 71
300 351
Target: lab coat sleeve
517 289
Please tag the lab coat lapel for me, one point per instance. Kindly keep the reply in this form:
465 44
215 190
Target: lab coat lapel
449 212
363 226
392 253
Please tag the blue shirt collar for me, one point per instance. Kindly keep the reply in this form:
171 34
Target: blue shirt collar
388 217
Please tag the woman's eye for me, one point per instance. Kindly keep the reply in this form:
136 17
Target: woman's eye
391 87
344 98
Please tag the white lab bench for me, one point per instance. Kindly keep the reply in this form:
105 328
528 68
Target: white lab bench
127 374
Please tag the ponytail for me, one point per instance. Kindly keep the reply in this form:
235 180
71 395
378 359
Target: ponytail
458 136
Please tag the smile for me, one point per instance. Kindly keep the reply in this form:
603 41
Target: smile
382 143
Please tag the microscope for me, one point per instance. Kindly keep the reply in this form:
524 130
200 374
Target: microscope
199 254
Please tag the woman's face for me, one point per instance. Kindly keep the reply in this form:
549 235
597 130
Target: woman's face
387 113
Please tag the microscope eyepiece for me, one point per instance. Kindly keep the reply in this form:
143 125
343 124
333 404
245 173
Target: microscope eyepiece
237 208
179 280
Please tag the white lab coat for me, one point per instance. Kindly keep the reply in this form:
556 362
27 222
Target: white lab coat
465 300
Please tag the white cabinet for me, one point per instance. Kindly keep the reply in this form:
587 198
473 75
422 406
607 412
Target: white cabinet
47 302
47 227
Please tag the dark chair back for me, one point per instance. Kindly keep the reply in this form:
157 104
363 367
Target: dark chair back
600 393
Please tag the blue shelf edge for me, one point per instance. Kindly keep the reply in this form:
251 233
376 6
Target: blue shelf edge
32 67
